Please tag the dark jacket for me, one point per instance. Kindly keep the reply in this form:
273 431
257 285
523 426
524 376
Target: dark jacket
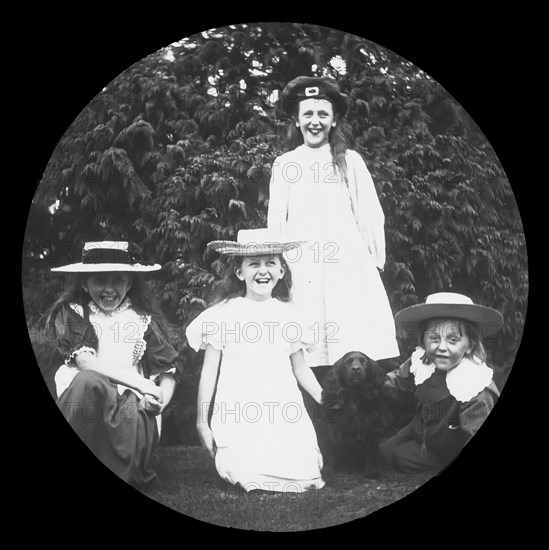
439 421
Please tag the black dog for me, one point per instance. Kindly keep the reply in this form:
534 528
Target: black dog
356 414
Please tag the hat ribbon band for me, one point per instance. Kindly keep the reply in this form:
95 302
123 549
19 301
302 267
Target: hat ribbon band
109 256
318 95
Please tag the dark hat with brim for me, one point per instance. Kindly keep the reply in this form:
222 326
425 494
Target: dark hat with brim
104 256
310 87
253 242
449 305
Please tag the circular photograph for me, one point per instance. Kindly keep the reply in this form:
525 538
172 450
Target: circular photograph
275 279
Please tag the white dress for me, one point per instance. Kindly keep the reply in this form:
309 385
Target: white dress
335 280
264 436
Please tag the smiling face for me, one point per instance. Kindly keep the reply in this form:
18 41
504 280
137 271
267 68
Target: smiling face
107 290
315 119
261 274
445 343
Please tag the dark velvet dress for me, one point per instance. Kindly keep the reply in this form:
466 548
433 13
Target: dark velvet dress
440 424
107 416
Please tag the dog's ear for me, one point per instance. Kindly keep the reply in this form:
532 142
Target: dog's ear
338 364
332 381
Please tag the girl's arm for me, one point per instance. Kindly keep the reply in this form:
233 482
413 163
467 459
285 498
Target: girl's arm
305 376
474 413
400 383
366 207
129 378
167 387
206 388
166 382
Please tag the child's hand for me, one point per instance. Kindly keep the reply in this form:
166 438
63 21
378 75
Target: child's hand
148 387
207 439
151 405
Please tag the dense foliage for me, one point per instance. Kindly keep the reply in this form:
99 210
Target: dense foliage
177 151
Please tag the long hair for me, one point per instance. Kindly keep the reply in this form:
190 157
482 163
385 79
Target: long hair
230 286
339 139
477 353
143 300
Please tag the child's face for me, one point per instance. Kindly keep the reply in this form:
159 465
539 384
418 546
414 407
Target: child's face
107 290
261 274
315 119
445 344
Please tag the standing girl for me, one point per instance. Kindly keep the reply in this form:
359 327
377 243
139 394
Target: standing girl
322 192
446 386
260 434
118 374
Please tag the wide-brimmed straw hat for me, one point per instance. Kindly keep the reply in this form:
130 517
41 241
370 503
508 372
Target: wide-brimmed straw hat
310 87
449 305
102 256
253 242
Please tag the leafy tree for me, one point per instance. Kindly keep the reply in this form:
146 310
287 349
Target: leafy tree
177 151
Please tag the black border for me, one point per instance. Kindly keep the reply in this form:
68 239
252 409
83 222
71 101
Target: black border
477 62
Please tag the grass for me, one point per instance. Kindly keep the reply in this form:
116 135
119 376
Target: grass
188 483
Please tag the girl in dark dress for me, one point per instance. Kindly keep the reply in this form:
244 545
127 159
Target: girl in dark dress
118 374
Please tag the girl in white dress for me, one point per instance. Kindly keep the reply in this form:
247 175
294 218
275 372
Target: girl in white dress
251 415
322 192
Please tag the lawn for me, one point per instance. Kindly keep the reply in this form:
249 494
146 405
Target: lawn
188 483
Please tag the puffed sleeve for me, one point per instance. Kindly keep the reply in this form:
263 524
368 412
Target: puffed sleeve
71 332
206 329
366 207
297 332
277 213
473 413
159 355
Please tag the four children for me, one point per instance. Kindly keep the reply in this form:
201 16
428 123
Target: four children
259 335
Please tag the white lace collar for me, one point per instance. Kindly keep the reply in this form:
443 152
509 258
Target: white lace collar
464 381
126 303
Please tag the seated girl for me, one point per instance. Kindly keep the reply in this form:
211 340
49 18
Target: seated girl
445 385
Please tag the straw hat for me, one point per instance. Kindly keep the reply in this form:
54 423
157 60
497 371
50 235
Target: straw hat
253 242
449 305
309 87
102 256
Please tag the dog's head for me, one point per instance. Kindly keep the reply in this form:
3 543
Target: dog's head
354 372
355 369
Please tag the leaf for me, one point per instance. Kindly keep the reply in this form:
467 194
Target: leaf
238 205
